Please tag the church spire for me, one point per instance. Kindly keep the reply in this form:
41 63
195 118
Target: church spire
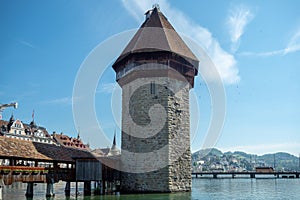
114 151
12 119
114 142
78 134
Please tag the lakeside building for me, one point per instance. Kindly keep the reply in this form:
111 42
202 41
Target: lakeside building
19 130
67 141
32 132
109 151
264 169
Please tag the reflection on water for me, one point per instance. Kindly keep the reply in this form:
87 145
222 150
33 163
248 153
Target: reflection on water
246 189
202 189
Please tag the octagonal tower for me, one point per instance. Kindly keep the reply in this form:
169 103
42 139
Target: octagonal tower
156 70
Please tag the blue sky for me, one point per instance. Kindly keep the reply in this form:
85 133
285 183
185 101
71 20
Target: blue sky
255 46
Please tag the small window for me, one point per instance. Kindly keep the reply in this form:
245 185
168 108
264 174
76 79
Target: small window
152 87
129 134
20 132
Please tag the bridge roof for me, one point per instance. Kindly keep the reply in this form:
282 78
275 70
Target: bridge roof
61 153
21 149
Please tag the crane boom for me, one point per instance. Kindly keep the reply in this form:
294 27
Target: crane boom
4 106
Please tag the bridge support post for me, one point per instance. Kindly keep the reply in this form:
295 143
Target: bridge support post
215 176
97 190
50 190
252 175
87 188
297 175
101 187
68 189
29 191
0 192
233 175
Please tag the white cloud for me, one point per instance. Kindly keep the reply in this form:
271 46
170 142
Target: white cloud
106 88
224 61
239 17
292 46
26 44
63 101
294 43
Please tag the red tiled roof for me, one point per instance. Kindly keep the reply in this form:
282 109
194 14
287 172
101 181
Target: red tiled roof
69 142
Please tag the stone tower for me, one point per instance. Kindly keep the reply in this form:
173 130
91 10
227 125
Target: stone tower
156 71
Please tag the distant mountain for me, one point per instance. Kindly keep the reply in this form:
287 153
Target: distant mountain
281 160
205 152
239 154
239 160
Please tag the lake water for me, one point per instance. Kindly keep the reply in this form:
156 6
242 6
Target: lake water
202 189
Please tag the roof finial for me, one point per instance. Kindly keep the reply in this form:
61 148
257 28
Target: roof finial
156 5
78 134
12 117
32 115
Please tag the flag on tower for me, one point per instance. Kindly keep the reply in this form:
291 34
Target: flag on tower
32 115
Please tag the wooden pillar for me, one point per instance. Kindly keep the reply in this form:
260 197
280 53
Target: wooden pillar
68 189
102 187
55 165
0 192
215 176
12 162
232 175
97 190
297 175
252 175
1 188
196 175
29 191
87 188
50 190
76 189
118 187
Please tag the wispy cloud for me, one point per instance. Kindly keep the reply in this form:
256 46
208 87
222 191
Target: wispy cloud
239 16
106 88
25 43
289 147
294 43
62 101
224 61
292 46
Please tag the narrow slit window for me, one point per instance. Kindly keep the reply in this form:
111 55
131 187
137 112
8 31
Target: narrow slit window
152 87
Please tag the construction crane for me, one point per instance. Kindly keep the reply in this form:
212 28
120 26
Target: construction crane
4 106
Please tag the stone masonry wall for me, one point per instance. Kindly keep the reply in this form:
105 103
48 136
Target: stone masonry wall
158 111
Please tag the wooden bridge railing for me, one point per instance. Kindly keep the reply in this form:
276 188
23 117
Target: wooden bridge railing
11 174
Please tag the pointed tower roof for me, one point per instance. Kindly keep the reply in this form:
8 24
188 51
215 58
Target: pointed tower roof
114 142
12 119
157 34
114 150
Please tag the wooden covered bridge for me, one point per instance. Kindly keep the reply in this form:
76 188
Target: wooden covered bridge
32 162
